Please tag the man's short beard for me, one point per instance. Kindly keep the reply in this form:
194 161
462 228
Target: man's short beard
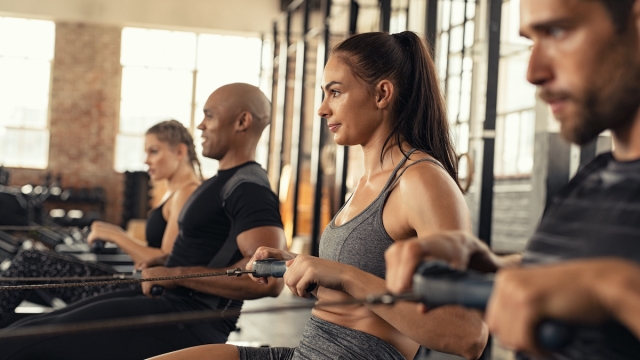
614 107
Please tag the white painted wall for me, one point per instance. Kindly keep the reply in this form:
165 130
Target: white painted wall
227 16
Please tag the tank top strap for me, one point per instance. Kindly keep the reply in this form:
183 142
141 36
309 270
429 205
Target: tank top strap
397 178
392 177
167 197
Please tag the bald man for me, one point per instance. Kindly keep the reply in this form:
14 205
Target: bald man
222 224
234 117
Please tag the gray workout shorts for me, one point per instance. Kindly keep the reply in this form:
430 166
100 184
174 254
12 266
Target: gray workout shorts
322 340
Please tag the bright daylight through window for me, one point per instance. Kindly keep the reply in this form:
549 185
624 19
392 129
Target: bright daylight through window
26 52
515 124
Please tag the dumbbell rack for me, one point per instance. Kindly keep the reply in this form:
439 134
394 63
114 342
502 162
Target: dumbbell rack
89 201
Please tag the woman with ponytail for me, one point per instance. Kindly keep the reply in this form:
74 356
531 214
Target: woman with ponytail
171 156
382 94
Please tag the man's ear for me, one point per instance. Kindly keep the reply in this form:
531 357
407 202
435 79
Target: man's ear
384 94
244 121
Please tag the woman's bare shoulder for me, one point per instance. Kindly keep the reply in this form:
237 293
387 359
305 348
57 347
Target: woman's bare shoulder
182 194
423 171
427 184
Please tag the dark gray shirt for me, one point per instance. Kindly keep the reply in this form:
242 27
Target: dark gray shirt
596 215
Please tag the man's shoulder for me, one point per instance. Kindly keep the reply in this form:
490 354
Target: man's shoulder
592 168
251 173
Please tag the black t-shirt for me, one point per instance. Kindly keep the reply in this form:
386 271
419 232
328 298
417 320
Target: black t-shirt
204 226
596 215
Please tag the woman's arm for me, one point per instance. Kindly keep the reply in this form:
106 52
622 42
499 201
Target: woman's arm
139 252
430 202
441 220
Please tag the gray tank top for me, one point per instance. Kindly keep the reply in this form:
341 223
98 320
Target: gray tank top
362 241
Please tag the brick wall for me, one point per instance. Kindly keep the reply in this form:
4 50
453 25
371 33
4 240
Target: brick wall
84 105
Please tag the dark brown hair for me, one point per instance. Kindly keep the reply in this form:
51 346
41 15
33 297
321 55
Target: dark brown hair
619 11
173 133
419 112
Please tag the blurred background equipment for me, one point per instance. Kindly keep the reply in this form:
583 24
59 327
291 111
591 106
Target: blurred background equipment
14 209
49 202
4 176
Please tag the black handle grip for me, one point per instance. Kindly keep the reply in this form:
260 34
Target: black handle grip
97 246
437 284
269 268
553 335
157 290
274 268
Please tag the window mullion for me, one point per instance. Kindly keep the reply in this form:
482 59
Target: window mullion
192 124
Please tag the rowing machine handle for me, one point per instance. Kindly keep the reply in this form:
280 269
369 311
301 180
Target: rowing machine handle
157 290
437 284
273 268
97 246
269 268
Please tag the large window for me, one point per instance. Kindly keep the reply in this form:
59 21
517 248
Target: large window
399 20
454 60
26 52
157 84
169 75
515 124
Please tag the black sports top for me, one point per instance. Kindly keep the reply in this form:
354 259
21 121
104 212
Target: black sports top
156 224
596 215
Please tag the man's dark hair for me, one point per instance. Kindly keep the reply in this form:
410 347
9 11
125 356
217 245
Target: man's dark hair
619 11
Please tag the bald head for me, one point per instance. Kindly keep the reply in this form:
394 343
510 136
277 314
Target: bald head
234 99
234 117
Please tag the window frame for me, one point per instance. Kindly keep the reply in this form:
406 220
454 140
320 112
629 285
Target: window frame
514 48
